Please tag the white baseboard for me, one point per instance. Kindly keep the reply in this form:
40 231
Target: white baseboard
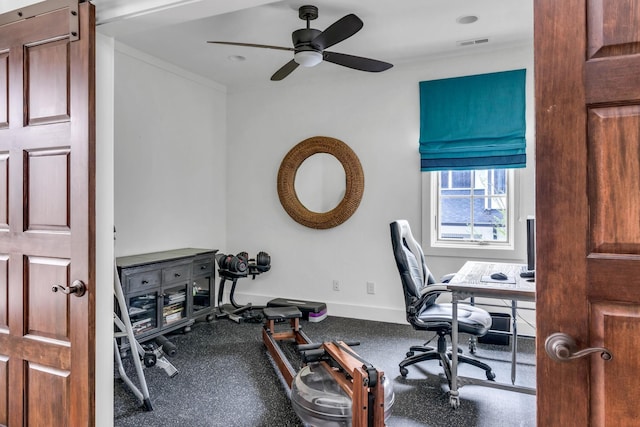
352 311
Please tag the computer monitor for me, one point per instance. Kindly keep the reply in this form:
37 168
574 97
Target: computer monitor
531 244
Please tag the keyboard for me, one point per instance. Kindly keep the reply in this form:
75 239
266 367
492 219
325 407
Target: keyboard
528 274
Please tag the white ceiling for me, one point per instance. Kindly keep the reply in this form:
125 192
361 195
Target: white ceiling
396 31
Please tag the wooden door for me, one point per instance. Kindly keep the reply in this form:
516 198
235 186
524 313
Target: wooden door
587 78
47 219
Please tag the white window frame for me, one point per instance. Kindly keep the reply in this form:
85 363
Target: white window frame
467 248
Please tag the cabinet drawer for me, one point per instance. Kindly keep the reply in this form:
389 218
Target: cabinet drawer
143 280
202 267
175 273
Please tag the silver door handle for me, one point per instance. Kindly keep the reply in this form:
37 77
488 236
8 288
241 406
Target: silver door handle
562 348
78 288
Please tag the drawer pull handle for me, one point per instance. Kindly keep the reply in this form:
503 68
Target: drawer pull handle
203 267
177 274
145 282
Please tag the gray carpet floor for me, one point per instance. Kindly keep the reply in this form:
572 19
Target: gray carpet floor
226 378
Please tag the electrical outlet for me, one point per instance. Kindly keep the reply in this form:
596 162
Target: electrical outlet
336 285
371 288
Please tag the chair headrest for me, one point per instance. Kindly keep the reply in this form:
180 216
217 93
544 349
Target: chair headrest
404 236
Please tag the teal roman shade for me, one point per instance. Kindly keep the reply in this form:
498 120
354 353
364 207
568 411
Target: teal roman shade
473 122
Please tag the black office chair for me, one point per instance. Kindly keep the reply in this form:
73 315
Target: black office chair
423 313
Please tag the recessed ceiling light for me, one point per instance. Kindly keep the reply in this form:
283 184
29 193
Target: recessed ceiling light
467 19
236 58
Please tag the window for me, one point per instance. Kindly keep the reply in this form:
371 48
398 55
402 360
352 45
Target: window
472 207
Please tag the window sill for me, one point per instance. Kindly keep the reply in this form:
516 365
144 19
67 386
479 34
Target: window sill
473 250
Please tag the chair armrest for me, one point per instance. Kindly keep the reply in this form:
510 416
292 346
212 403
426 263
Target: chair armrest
437 288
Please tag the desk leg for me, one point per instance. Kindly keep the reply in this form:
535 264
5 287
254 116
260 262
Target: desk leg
514 346
454 399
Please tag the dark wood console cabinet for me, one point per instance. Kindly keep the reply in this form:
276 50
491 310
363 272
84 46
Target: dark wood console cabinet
166 291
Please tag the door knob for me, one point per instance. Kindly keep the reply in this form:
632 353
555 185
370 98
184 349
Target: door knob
562 348
78 288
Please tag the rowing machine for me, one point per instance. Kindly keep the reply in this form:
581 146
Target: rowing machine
335 386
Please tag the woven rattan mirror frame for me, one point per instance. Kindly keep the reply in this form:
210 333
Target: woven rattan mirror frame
354 178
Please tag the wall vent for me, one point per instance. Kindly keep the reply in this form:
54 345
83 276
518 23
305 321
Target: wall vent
472 42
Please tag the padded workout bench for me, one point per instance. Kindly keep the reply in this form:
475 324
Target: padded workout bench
311 310
357 378
271 337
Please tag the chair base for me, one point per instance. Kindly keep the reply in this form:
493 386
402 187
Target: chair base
418 348
443 355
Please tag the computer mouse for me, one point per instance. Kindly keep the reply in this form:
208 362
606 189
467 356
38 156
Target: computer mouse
499 276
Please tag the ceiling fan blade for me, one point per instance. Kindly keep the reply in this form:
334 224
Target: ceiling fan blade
356 62
285 70
342 29
264 46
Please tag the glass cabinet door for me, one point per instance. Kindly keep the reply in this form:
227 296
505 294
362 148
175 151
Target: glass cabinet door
174 304
143 312
201 289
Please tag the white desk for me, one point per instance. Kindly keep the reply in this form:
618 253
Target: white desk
468 283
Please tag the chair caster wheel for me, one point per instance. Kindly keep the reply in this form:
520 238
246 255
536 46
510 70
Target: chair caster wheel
491 376
454 401
410 353
404 372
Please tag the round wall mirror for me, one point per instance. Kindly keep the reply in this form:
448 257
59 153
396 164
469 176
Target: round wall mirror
353 182
320 182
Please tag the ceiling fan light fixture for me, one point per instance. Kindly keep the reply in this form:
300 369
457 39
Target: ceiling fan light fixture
308 58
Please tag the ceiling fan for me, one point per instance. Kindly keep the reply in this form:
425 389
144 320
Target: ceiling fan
309 45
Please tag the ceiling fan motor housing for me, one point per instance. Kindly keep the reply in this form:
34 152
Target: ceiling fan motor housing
302 39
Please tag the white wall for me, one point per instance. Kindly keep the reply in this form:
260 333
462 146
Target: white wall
170 135
377 115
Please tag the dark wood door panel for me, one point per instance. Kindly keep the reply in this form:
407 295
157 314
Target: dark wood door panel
614 147
4 89
4 292
46 181
4 191
616 327
4 390
46 389
46 312
613 27
46 73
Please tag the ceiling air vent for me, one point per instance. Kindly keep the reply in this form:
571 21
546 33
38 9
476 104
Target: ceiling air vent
472 42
